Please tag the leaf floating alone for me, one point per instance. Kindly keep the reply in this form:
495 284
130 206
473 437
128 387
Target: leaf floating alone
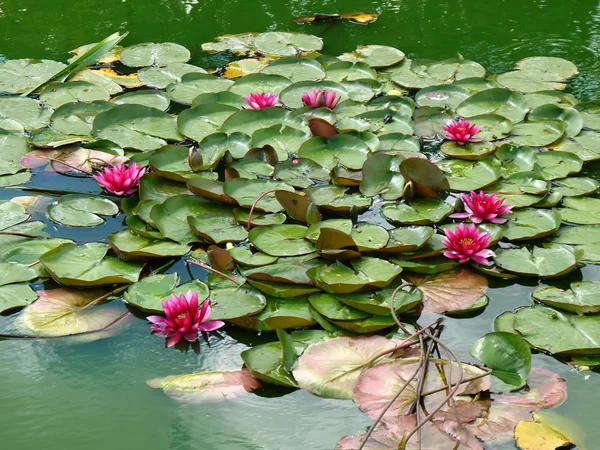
538 436
207 386
357 17
62 312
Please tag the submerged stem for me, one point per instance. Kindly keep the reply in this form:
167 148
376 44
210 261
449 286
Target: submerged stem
213 270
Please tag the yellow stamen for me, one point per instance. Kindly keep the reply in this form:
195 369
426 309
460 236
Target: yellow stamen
466 241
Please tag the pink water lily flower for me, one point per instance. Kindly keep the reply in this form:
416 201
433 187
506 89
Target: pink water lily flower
461 131
260 101
467 242
121 180
317 98
481 206
184 318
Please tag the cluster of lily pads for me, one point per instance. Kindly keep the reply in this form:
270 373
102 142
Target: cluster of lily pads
307 216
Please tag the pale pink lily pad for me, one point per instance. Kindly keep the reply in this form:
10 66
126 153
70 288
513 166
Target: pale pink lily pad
73 156
544 389
207 386
434 436
377 386
330 368
453 290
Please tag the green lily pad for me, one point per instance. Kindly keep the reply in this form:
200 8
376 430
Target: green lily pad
514 159
582 211
11 272
232 303
341 225
381 176
558 98
80 210
503 102
509 357
238 44
243 256
12 149
217 227
378 302
296 69
259 82
170 217
559 67
201 121
331 308
570 116
301 173
258 218
15 296
407 239
194 84
398 143
540 262
149 293
282 290
164 75
469 151
376 56
537 134
26 114
58 94
286 44
418 212
582 298
349 151
366 326
88 265
21 75
445 96
559 164
279 314
527 81
336 198
151 98
249 121
576 186
150 54
28 251
556 332
531 223
281 240
130 246
246 192
77 118
585 145
468 176
137 127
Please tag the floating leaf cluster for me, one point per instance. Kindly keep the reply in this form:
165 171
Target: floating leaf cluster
307 216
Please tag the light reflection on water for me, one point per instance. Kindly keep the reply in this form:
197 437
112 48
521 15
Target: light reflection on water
60 395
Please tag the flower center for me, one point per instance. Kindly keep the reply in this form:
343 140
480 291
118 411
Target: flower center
181 316
466 241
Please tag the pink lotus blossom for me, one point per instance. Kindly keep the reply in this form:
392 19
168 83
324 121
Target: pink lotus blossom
184 318
462 131
467 242
481 206
318 97
260 101
121 180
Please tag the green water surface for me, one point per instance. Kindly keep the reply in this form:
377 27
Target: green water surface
65 395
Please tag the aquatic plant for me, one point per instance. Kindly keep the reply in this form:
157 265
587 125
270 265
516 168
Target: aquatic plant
261 100
461 131
317 97
121 179
466 243
481 207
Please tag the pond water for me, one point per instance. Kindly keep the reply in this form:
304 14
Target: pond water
60 394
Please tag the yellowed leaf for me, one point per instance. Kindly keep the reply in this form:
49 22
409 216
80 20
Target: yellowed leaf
361 17
241 68
128 81
538 436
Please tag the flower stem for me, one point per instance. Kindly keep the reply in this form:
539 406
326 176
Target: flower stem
213 270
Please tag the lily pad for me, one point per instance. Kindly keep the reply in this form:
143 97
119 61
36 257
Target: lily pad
162 76
58 94
286 44
80 210
418 212
503 102
21 75
61 312
14 296
130 246
531 223
582 298
246 192
281 240
149 54
149 293
194 84
541 262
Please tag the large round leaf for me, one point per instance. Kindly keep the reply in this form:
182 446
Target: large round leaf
246 192
201 121
281 240
25 113
77 118
130 246
61 312
20 75
57 94
331 368
16 296
509 357
418 212
161 77
149 293
541 262
259 82
503 102
531 223
286 44
470 175
80 210
582 298
194 84
88 265
149 54
296 69
137 127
